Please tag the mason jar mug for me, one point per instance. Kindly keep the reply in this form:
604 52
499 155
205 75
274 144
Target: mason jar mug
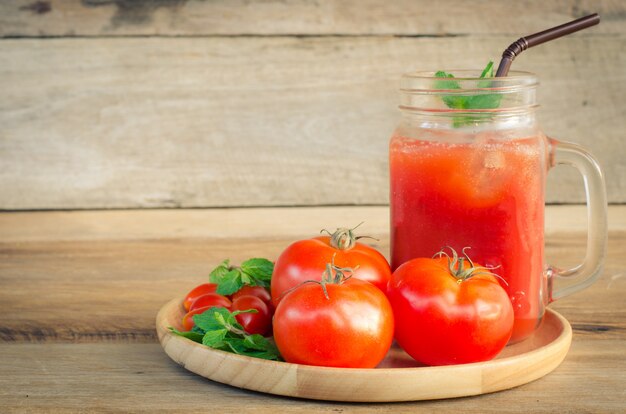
468 165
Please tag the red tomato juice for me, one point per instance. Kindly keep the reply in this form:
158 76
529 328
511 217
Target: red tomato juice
485 194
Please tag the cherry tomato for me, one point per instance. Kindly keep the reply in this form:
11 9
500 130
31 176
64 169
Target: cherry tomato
197 292
351 328
448 311
188 322
211 299
253 323
306 260
258 291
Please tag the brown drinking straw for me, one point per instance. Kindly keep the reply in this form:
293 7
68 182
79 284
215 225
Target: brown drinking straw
525 42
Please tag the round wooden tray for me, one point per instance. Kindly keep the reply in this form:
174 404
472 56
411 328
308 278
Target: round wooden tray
397 378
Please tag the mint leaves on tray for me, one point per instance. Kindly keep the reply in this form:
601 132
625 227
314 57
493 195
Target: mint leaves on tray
252 272
218 328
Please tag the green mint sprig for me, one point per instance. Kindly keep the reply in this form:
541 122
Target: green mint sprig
459 101
218 328
252 272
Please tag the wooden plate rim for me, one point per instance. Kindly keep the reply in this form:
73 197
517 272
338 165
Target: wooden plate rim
556 346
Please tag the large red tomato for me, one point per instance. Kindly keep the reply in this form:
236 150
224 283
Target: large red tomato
306 260
352 327
448 311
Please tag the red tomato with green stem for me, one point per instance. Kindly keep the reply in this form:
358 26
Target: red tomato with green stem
306 260
338 322
449 310
198 291
211 299
259 322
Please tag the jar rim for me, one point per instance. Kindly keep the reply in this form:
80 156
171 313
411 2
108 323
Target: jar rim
514 74
469 81
469 98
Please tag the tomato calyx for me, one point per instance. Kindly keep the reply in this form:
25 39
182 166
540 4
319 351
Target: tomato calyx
344 238
458 268
333 275
337 278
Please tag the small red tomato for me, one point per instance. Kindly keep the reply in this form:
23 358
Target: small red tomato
258 291
306 260
188 322
449 311
253 323
350 327
211 299
197 292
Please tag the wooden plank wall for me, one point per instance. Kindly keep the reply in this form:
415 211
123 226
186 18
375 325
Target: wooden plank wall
175 103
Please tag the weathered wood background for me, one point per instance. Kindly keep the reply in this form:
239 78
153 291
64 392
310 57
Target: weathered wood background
168 103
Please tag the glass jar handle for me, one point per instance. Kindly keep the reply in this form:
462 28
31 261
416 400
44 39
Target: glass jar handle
565 282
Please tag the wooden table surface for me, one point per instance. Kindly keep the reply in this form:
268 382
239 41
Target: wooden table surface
79 292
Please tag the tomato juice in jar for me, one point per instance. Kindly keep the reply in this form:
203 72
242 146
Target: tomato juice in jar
474 177
486 195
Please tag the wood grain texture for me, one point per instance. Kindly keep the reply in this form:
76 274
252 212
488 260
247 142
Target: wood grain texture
397 378
56 356
101 377
197 122
135 274
237 17
236 223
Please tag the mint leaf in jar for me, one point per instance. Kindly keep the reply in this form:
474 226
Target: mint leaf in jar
477 100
